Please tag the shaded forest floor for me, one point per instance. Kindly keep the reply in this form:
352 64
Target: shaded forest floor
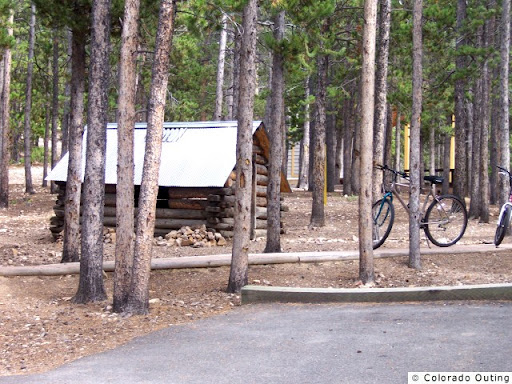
40 328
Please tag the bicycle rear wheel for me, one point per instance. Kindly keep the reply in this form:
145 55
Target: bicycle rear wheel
446 220
383 215
501 229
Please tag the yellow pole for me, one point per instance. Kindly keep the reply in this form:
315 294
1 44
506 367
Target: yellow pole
407 143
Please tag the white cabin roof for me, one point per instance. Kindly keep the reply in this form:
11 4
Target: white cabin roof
197 154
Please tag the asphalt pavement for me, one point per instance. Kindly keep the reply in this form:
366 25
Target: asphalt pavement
308 343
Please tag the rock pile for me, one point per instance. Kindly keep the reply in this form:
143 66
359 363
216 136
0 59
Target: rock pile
192 237
183 237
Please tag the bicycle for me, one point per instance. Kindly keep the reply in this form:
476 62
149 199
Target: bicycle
444 221
505 212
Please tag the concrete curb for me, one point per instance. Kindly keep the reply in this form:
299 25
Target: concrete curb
252 294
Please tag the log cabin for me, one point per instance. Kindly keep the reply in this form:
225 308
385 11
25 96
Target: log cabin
196 179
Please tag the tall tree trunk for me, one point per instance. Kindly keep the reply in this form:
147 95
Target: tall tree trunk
460 182
276 128
236 73
27 131
125 156
4 120
330 143
388 137
446 163
231 76
338 165
317 211
238 275
494 114
366 268
55 103
304 143
415 149
432 149
504 130
468 107
398 134
138 300
381 90
46 145
347 147
484 136
91 287
66 117
356 150
71 245
219 94
475 193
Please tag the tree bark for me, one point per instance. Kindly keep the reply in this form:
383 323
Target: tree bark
90 286
27 131
446 163
236 73
219 94
125 156
398 134
504 130
304 143
138 300
4 120
347 148
381 89
415 149
319 155
432 149
330 144
71 245
66 117
55 104
484 136
366 267
238 276
494 114
468 107
475 193
46 145
276 129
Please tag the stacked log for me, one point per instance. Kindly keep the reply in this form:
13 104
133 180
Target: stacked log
221 203
193 207
57 221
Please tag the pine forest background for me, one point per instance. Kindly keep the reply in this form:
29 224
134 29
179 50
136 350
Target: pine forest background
463 44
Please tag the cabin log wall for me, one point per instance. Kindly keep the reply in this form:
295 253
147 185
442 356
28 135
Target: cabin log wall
188 206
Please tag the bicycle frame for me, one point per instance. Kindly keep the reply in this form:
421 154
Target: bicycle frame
502 211
394 191
505 172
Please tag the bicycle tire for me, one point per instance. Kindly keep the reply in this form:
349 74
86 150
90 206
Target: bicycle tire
383 216
501 229
446 220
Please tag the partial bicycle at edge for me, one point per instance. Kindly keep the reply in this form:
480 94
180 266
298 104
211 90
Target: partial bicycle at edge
444 218
505 212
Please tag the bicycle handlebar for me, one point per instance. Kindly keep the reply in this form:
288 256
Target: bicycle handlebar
394 171
503 170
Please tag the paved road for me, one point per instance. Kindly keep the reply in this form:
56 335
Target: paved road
275 343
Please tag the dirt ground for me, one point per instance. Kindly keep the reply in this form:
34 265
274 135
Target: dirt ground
41 329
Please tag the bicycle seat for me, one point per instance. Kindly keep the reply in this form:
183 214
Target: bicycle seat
434 179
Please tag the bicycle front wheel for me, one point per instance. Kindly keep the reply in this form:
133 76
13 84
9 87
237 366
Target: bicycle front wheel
446 220
501 229
383 215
